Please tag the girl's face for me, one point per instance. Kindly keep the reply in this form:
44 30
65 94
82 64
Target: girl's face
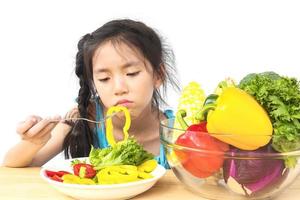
123 76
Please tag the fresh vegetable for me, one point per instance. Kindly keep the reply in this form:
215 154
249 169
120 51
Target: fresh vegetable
147 166
50 173
252 172
106 175
84 170
109 174
109 125
280 96
115 163
200 164
121 174
191 100
236 118
117 174
73 179
126 152
121 162
56 175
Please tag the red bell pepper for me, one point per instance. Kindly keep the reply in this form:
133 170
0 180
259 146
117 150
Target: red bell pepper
56 175
56 178
84 170
200 164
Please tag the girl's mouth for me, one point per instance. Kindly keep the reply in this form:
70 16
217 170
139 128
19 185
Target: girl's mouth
124 102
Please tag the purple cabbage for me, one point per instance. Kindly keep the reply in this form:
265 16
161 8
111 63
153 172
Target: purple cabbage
254 172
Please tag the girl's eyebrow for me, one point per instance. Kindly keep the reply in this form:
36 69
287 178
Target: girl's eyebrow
126 65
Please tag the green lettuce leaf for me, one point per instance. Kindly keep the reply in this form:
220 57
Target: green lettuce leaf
280 97
127 152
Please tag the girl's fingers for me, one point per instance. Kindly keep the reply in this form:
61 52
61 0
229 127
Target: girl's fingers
38 127
42 137
46 130
27 124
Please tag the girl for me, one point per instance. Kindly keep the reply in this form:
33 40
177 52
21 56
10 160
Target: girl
121 63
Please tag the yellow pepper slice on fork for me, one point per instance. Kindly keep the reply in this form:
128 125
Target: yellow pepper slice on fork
109 125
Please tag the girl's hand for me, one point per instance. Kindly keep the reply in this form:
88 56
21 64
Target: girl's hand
37 130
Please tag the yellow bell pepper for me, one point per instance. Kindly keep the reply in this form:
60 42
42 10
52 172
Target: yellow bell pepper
109 125
236 118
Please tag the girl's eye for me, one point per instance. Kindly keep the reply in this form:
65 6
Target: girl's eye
133 73
103 79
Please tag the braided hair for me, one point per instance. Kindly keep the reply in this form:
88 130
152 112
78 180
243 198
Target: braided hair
135 35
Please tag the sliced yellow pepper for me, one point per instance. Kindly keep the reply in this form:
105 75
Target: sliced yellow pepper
238 119
121 174
73 179
117 174
147 166
109 125
144 175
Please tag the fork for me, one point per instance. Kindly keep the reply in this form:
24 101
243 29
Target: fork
86 119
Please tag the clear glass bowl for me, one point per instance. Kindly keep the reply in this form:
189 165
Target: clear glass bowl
259 174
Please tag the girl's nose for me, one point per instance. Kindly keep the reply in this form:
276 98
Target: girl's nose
120 86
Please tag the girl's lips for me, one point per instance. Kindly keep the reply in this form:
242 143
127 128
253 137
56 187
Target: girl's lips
124 102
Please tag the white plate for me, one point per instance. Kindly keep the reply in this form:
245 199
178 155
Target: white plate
100 192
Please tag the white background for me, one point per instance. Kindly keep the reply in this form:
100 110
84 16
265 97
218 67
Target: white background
211 40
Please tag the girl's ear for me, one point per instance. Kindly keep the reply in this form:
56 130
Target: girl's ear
157 82
159 77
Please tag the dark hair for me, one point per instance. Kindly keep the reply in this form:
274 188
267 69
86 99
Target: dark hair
137 36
